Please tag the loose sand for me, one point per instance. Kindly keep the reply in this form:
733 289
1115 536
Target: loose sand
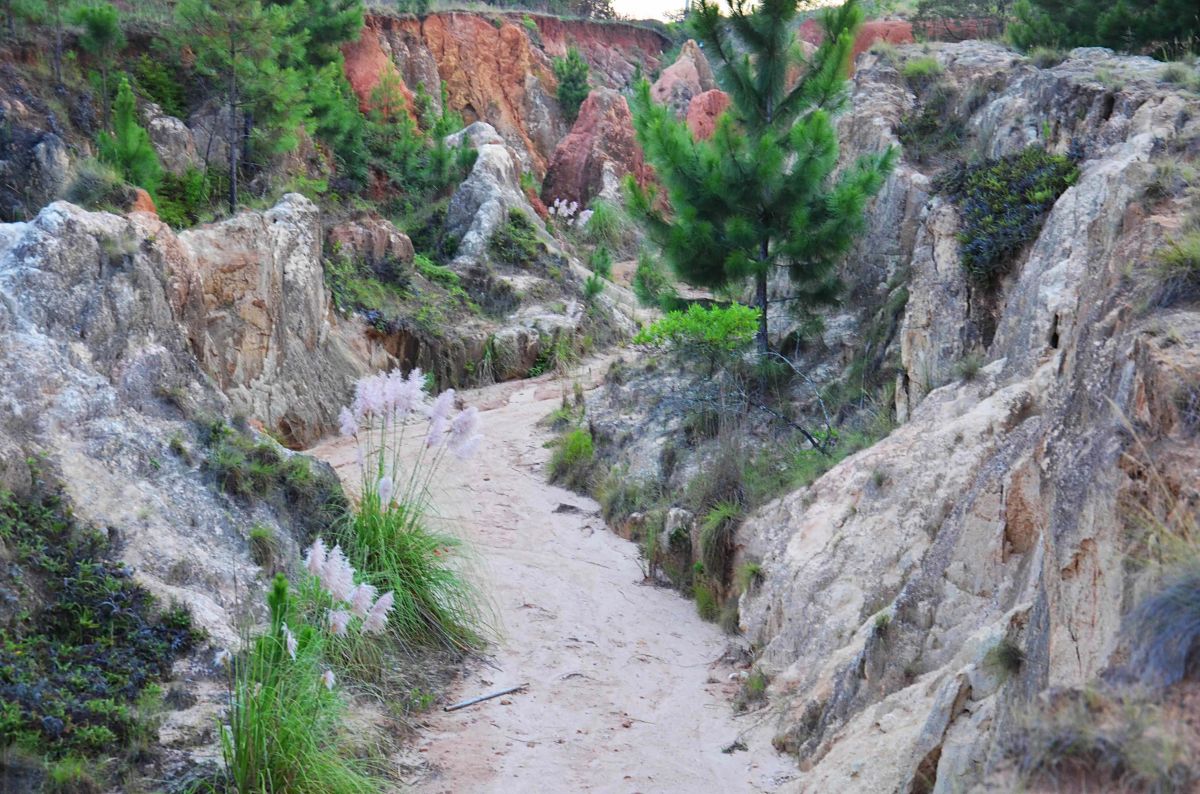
626 693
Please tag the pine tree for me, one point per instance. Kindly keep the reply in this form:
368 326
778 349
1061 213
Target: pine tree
572 74
244 48
128 147
102 38
760 194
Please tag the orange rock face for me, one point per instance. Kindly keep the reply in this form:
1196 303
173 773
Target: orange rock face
601 150
683 80
142 202
703 112
891 31
499 74
366 64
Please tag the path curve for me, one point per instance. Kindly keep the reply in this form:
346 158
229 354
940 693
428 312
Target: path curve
625 691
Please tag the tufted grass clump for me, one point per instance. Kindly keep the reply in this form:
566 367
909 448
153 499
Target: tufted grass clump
593 286
573 460
1175 73
1087 741
605 225
1165 629
708 607
390 538
749 576
516 244
1004 659
716 537
1177 269
92 642
285 722
1003 205
922 69
1046 57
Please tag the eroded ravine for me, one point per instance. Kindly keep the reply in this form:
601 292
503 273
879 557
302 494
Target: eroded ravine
625 693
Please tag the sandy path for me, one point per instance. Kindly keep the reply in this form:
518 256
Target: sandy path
624 695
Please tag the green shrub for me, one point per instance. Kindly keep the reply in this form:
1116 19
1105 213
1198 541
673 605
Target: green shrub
182 200
707 605
1046 57
516 243
572 73
157 79
1003 205
709 332
71 775
652 286
573 459
935 130
73 670
128 149
605 226
593 285
1178 269
601 262
922 69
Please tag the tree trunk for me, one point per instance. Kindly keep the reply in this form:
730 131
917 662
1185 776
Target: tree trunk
105 102
764 345
233 133
58 41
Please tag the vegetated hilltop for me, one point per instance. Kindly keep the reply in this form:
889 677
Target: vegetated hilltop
1013 378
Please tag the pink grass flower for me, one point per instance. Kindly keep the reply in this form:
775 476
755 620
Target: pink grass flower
329 678
314 563
289 640
376 620
338 576
386 488
439 418
361 599
339 620
348 424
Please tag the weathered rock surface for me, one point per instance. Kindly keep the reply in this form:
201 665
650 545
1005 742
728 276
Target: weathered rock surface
996 512
265 333
703 110
482 202
172 139
601 149
371 239
500 73
683 80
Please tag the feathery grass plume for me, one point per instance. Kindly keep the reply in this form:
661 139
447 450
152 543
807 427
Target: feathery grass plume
403 439
285 722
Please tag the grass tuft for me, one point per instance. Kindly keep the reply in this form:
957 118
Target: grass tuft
573 460
1165 629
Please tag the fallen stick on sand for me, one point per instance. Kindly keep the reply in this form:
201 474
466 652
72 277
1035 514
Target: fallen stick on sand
462 704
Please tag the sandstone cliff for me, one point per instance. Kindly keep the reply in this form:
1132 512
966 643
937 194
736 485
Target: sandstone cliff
998 511
998 514
498 69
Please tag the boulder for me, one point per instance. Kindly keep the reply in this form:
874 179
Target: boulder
172 140
602 138
683 80
265 334
371 239
703 111
482 202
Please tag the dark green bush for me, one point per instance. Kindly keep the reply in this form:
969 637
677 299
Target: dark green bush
72 671
1003 204
572 74
157 79
516 243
